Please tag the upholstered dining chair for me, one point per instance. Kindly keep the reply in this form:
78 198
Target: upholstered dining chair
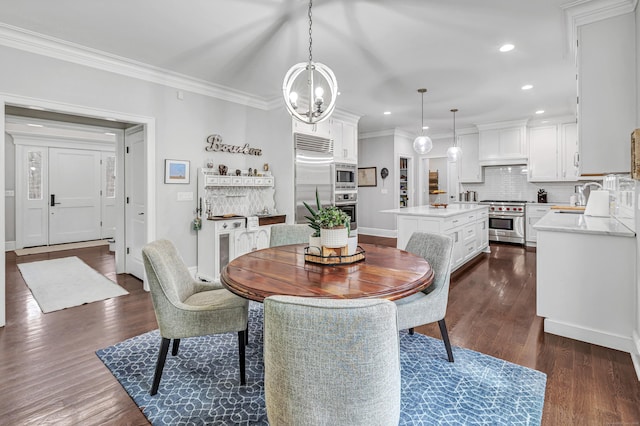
185 307
331 361
430 305
282 235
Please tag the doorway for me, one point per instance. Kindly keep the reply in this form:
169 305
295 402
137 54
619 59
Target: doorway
76 112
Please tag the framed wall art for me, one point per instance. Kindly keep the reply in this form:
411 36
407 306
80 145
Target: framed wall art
367 176
176 171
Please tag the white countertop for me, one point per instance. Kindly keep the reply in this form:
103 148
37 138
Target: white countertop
428 211
581 224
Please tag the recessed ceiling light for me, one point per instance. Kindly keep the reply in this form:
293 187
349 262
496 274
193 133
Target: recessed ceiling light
425 127
527 87
34 125
540 111
36 108
109 134
507 47
387 113
110 119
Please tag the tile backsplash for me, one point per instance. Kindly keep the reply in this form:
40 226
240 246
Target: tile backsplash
510 183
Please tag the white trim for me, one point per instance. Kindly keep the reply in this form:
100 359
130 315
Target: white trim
502 125
61 142
378 232
582 12
9 245
589 335
635 355
29 41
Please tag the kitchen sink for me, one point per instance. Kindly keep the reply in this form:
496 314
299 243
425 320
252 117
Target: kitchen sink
570 211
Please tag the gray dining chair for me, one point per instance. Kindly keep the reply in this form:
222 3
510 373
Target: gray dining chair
430 305
331 361
282 234
185 307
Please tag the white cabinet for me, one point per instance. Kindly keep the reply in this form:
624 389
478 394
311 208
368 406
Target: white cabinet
533 213
569 162
469 231
212 181
250 240
322 129
606 94
470 169
502 143
553 153
345 141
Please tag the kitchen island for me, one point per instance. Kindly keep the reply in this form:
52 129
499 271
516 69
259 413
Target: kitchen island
586 278
467 224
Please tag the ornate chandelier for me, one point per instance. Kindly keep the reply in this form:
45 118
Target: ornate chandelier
312 86
422 144
454 152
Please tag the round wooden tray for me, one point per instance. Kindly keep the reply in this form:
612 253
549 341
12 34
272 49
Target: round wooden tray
438 205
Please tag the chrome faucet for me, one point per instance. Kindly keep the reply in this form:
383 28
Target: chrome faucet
583 192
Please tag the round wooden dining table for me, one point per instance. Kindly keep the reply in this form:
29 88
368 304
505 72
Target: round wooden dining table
386 272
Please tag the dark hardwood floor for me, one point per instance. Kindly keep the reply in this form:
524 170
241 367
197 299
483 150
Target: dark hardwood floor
49 373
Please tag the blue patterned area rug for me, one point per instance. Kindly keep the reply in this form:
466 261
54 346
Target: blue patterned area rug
200 386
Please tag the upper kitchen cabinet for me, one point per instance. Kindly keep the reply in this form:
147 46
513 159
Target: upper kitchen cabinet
502 143
345 141
321 130
606 62
470 169
553 152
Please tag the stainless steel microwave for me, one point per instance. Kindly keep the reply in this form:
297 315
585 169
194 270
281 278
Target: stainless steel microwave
345 176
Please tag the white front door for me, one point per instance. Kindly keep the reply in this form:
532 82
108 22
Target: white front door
135 208
74 192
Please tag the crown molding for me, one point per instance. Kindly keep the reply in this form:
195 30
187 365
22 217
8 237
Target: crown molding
582 12
29 41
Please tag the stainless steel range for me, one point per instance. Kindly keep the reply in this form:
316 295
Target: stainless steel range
506 221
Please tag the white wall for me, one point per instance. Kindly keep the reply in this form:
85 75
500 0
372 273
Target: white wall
9 185
636 336
377 151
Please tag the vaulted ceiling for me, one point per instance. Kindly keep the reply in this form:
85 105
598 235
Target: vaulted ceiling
381 51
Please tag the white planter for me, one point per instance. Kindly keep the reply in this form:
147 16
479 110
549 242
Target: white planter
315 245
334 238
352 243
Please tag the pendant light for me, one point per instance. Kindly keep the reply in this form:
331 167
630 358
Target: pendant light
454 152
311 85
422 144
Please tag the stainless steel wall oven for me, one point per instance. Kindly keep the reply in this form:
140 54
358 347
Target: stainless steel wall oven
348 203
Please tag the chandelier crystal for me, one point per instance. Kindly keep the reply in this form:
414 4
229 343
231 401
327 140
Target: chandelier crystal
454 152
422 144
310 88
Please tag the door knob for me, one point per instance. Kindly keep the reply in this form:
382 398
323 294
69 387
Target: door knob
53 200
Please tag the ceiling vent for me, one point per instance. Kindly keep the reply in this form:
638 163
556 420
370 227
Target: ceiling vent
313 143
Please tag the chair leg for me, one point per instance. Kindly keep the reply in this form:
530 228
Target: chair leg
445 338
411 331
162 356
246 335
174 349
241 345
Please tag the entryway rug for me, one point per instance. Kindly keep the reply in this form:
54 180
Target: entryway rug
200 386
62 283
60 247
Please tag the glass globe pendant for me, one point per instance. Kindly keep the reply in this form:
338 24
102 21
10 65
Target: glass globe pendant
422 144
454 152
310 84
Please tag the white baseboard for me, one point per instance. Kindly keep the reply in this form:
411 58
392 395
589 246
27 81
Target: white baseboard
9 245
597 337
377 232
635 355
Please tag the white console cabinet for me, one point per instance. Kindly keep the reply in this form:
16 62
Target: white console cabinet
251 240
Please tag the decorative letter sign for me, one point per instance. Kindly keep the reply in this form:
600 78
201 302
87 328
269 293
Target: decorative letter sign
215 144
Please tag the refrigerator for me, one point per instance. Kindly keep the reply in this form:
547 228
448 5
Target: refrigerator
313 171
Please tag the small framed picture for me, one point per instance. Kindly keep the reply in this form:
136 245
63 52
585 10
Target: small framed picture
367 176
176 171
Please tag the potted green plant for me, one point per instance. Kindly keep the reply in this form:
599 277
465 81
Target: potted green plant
314 238
334 226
